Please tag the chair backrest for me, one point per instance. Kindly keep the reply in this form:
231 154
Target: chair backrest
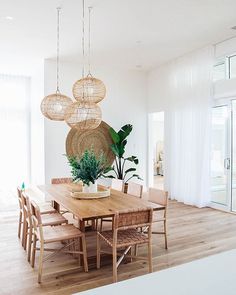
135 189
26 207
61 180
19 191
117 184
36 219
158 196
133 219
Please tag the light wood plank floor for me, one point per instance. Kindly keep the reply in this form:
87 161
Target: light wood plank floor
193 233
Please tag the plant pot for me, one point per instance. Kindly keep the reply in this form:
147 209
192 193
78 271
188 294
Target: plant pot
91 188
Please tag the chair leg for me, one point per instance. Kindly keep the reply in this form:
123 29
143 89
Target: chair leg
40 271
114 257
165 231
84 247
33 251
98 252
136 250
150 256
19 226
77 248
29 244
25 235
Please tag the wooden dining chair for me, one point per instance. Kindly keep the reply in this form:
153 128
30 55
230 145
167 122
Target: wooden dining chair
135 189
52 234
159 197
21 220
125 234
51 219
62 180
45 208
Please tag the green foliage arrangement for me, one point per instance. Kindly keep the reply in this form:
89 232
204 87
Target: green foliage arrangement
118 147
88 168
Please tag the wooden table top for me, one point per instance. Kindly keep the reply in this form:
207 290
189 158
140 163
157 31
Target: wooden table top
86 209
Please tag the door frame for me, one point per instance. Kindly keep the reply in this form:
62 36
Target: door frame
229 154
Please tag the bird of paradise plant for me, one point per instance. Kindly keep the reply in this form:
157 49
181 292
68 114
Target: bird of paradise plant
118 147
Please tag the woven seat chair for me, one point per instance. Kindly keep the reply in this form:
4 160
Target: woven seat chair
45 208
135 189
125 234
62 180
51 234
118 185
159 197
51 219
21 220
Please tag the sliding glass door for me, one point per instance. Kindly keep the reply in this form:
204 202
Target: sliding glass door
220 156
223 156
233 152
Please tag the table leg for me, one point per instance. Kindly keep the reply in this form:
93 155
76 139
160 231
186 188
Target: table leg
82 228
56 206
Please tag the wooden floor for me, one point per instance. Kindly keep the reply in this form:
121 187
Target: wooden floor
193 233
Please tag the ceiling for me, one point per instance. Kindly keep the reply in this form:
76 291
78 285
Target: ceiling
135 34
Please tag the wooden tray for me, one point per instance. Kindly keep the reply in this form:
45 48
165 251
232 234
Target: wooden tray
102 193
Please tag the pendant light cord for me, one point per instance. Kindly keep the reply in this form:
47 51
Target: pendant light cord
58 45
89 42
83 21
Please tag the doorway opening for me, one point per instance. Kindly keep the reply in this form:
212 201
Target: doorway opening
156 150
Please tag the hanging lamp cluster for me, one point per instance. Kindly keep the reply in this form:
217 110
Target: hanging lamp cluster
84 113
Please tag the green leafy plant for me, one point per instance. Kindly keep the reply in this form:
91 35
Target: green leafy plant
89 167
118 147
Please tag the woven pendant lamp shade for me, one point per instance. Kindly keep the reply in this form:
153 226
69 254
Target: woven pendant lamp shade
83 115
54 106
89 89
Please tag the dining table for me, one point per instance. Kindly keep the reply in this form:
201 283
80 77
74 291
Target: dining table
93 209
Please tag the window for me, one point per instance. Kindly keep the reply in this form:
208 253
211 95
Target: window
14 131
219 71
232 66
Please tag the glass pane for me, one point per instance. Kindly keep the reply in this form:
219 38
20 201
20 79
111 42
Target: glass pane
234 156
232 67
218 155
219 72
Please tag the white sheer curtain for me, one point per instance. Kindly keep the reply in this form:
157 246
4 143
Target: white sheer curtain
187 128
14 131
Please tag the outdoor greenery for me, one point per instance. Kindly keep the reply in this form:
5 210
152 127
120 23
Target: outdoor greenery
89 167
118 147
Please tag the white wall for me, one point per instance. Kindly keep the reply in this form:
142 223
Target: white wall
158 89
124 103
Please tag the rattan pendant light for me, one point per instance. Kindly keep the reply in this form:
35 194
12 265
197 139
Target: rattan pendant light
54 106
85 113
89 89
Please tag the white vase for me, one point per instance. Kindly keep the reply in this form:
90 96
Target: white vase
91 188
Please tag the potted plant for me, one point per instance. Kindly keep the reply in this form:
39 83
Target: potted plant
118 147
88 168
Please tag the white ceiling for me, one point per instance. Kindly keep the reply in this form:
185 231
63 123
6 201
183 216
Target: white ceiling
125 33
